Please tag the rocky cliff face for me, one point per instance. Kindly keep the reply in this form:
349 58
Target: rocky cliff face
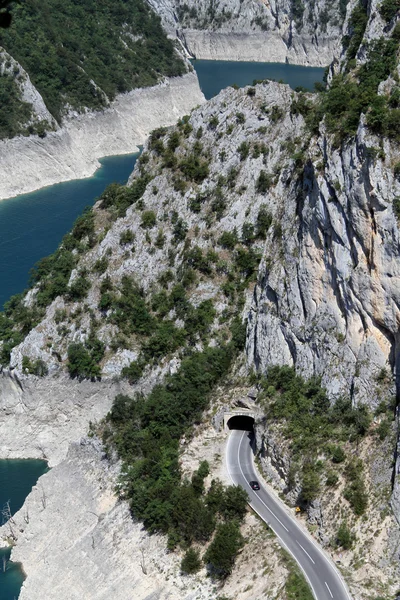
281 31
328 302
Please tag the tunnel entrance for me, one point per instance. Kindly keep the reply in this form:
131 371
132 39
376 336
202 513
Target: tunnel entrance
241 422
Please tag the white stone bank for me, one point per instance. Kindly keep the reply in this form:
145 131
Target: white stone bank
72 152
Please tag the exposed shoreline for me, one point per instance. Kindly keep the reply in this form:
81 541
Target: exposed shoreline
259 47
30 163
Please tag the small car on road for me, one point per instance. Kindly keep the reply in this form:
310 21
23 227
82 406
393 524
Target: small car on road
254 485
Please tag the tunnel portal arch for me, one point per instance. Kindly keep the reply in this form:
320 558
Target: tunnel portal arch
241 421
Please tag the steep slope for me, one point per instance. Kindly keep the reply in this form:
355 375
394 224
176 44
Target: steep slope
304 33
267 206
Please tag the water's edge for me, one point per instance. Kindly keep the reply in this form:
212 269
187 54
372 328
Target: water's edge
72 152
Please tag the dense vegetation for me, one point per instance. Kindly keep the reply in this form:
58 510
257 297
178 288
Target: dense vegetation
65 46
18 113
389 8
146 433
317 434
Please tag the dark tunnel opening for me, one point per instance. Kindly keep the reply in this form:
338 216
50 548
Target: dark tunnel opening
241 422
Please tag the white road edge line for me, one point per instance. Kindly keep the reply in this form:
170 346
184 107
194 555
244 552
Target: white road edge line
262 502
329 589
282 543
305 551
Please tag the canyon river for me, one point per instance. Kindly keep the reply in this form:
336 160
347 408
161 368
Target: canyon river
215 75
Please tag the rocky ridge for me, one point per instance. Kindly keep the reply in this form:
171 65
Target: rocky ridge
251 30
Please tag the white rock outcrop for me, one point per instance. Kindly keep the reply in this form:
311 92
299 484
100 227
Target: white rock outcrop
39 418
76 540
300 33
72 152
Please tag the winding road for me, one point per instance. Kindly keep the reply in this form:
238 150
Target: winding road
322 576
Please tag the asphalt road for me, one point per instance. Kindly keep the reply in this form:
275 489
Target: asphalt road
320 572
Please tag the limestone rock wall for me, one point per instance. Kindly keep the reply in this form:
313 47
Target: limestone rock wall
328 297
39 418
251 30
72 152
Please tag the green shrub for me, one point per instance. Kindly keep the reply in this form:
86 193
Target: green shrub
264 222
180 231
194 168
199 476
396 207
357 24
310 483
276 114
128 237
179 185
191 562
84 225
355 492
388 9
221 553
149 219
331 479
383 428
247 262
338 454
100 266
174 141
79 288
83 359
118 198
228 240
240 118
37 367
130 311
244 150
297 12
344 537
134 372
160 239
296 587
213 122
264 182
18 113
248 235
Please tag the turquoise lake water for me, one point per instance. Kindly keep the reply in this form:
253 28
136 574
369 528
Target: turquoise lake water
17 477
32 225
215 75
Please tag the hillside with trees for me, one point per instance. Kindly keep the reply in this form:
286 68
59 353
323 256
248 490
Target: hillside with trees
81 55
